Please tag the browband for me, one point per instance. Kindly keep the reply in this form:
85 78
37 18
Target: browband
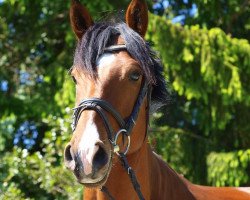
118 47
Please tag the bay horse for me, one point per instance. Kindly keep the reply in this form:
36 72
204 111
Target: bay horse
119 82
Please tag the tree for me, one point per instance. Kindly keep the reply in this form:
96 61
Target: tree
230 16
209 72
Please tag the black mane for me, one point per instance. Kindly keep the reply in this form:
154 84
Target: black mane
102 35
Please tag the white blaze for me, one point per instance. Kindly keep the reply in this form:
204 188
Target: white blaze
105 59
90 136
88 147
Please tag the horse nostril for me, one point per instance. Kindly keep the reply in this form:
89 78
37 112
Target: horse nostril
100 159
67 153
68 158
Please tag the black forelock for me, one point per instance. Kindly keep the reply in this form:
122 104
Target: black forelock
102 35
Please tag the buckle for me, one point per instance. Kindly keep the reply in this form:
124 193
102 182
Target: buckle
116 146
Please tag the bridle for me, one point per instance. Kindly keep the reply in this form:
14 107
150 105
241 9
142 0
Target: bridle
126 126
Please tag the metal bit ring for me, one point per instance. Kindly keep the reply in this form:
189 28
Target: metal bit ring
116 146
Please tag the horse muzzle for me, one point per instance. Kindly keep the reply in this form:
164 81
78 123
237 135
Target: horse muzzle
90 166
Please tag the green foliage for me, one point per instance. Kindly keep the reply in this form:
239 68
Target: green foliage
40 174
6 129
225 169
215 65
230 16
30 175
209 73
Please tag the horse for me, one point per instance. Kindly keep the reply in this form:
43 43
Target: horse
119 82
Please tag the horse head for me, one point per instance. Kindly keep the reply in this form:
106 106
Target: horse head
117 78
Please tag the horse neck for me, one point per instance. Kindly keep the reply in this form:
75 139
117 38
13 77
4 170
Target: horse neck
156 179
166 183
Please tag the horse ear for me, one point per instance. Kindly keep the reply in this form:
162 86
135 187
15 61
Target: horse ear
137 16
80 18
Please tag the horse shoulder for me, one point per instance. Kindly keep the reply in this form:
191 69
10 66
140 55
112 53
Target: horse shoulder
198 192
219 193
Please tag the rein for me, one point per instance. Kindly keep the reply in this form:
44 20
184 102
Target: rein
126 126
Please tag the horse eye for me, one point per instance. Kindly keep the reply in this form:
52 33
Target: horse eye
74 79
135 76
